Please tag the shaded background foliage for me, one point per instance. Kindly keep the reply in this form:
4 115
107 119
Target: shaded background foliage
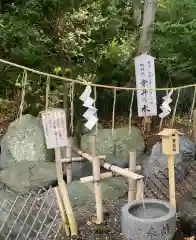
97 37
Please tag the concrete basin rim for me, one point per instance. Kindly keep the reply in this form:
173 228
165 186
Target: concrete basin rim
170 214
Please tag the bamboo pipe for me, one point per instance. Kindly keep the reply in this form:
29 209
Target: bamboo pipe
78 159
140 189
132 182
106 175
110 167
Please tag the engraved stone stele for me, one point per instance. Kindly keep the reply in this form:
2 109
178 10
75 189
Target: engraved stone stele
149 220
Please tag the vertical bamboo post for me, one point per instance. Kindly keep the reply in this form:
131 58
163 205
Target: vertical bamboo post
69 165
172 190
97 184
58 165
132 182
64 193
62 212
140 189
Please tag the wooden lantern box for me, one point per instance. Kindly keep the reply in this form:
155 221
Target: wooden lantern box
170 141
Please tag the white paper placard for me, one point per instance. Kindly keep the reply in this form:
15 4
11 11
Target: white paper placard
55 128
145 78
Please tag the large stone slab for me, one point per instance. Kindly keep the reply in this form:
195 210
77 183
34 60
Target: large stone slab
118 145
26 176
24 141
83 193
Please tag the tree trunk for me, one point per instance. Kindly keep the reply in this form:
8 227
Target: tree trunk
146 35
137 15
150 7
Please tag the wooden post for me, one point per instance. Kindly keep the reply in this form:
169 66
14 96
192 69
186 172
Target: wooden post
132 182
170 147
172 190
97 184
69 165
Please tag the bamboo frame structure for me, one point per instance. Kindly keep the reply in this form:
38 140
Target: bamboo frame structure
110 167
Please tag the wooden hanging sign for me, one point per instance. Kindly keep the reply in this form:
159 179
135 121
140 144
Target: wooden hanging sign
170 141
55 128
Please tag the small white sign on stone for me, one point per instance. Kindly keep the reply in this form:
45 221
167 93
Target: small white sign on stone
145 79
55 128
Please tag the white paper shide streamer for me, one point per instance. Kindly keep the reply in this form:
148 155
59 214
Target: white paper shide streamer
165 105
90 114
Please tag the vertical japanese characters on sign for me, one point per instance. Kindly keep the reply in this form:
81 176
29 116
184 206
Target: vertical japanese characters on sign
55 128
145 79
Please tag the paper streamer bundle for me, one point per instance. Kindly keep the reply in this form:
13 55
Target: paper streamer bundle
90 114
165 105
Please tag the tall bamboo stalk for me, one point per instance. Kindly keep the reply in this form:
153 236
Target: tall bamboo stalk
132 182
97 184
64 193
69 165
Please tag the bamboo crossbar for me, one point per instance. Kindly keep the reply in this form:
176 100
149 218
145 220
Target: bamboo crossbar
79 159
105 175
110 167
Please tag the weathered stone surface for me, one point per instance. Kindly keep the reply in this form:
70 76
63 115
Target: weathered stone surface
120 145
83 193
24 141
26 176
158 161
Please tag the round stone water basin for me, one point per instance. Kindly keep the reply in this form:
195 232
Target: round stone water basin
150 219
149 210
